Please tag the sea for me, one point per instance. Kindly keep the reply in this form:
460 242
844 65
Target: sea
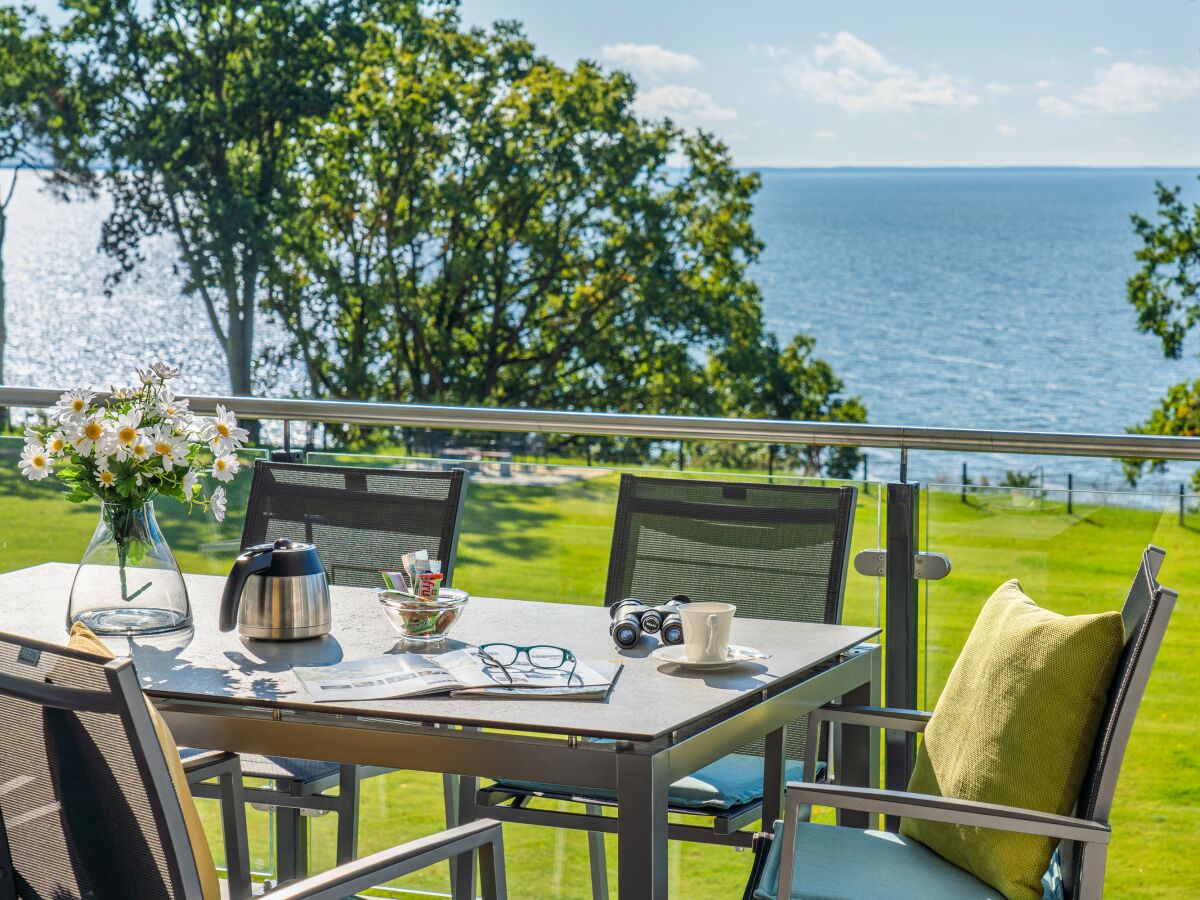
982 298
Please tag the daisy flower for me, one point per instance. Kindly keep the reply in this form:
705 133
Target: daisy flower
163 371
35 462
223 433
146 376
171 450
141 449
87 434
105 478
72 405
190 480
123 433
216 504
57 443
173 409
225 466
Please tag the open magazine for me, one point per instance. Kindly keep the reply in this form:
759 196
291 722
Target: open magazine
460 672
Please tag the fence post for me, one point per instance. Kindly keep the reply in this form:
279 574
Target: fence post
1070 493
964 483
900 633
1181 504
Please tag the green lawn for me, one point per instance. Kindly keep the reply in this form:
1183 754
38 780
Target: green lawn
551 543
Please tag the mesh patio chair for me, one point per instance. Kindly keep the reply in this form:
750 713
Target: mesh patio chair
851 863
361 521
88 807
776 552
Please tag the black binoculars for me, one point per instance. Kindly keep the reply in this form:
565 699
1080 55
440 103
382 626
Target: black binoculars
631 618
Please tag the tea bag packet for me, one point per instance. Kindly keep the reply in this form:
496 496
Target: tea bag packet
424 575
395 581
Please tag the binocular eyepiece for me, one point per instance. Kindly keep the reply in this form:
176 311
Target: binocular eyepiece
631 618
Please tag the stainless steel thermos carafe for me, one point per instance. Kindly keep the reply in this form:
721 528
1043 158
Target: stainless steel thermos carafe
277 592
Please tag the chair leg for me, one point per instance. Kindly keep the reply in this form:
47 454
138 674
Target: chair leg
596 857
347 814
291 844
236 835
492 884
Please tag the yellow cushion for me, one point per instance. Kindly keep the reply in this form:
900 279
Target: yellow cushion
83 640
1015 725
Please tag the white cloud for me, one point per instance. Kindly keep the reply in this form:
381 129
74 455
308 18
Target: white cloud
825 135
649 59
996 89
1044 84
1126 87
1007 130
919 136
683 104
849 73
1101 51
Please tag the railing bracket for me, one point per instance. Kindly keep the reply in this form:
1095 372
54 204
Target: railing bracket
926 566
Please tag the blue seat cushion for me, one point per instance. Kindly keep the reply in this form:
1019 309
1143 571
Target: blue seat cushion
732 781
834 863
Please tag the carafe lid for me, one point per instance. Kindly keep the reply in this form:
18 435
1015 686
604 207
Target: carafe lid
290 558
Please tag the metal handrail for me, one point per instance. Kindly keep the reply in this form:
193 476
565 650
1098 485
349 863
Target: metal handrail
769 431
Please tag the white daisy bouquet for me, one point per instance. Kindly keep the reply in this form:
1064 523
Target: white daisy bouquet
135 444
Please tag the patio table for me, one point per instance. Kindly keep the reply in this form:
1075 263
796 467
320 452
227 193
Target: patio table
221 691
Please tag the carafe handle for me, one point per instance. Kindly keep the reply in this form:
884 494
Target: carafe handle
249 563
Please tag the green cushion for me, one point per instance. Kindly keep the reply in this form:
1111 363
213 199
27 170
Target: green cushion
732 781
834 863
1015 725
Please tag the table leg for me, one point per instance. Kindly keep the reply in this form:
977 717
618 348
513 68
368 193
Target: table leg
858 746
773 776
642 826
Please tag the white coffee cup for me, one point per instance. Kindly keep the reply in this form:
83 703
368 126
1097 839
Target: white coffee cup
706 630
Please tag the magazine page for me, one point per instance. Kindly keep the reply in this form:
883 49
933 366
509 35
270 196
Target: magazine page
376 678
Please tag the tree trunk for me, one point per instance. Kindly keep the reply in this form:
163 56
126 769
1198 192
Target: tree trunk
238 351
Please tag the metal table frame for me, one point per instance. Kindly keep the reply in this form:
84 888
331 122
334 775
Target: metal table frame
639 771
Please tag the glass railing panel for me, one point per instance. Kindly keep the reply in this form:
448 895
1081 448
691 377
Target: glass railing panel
1077 559
542 531
38 526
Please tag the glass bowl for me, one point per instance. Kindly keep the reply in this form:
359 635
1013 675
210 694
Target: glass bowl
423 621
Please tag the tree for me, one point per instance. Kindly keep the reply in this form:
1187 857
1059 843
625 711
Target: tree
1165 291
32 109
478 225
196 106
791 384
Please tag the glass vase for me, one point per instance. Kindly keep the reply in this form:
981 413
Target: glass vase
128 582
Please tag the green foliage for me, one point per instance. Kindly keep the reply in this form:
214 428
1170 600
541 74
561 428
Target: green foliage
196 107
1165 291
479 225
791 384
1017 479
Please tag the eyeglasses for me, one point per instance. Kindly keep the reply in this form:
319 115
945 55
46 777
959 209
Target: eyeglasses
540 656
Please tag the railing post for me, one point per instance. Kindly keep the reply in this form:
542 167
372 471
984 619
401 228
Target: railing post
900 633
1070 493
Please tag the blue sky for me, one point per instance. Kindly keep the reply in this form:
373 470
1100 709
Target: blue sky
875 82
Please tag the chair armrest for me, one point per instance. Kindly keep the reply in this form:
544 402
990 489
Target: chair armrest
913 720
210 764
378 868
948 809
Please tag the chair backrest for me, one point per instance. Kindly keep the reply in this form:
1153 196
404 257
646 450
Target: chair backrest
86 800
774 551
361 520
1146 612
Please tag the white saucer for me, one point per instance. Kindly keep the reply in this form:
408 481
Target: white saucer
677 655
